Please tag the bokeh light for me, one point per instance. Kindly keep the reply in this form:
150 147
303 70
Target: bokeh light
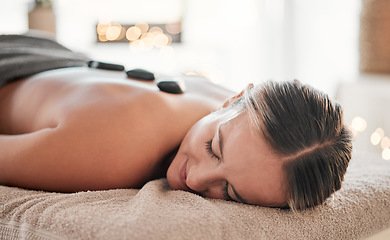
358 124
136 46
173 28
375 138
148 43
385 142
386 154
101 28
161 40
133 33
141 36
378 136
113 32
103 38
144 27
156 30
380 131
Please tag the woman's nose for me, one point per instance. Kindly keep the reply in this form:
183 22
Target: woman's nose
203 179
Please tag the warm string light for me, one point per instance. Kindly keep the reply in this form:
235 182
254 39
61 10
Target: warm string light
358 125
386 154
141 36
378 137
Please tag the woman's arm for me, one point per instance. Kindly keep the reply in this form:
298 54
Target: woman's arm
65 160
19 153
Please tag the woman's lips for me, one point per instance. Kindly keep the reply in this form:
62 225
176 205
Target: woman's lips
183 176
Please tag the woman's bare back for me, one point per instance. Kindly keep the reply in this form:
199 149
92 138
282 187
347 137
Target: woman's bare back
83 129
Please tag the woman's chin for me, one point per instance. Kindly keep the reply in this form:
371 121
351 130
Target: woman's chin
170 180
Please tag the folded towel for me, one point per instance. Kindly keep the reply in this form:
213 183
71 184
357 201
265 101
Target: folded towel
359 209
25 55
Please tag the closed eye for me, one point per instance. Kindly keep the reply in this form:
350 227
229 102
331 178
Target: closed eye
225 192
210 149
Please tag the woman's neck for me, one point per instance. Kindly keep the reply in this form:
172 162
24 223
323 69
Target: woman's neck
162 168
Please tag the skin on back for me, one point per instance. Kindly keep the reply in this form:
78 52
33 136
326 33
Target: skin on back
85 129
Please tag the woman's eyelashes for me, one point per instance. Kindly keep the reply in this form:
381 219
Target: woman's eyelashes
209 148
225 192
225 189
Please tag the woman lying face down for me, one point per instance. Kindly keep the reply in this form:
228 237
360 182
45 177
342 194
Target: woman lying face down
276 144
228 160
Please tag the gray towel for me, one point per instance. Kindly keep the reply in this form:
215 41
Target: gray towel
24 55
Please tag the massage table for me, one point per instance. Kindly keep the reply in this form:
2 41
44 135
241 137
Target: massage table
358 210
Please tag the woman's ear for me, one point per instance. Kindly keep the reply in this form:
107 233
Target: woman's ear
229 101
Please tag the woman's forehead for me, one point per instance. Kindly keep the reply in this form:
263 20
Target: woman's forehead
252 167
239 135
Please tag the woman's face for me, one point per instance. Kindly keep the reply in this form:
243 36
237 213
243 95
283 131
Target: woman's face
228 160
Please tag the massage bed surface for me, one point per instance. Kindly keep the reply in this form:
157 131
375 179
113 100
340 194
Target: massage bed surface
361 208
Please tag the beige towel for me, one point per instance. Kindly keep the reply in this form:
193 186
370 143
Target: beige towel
359 209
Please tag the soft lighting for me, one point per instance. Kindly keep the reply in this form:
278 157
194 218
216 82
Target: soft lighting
113 32
136 46
146 35
161 40
173 28
169 39
375 138
380 131
101 28
385 143
156 30
386 154
144 27
148 44
103 38
358 124
133 33
122 34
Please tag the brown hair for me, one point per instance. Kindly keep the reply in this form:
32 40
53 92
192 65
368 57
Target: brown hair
302 123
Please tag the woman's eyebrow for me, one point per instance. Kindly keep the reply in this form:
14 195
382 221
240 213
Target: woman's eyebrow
220 140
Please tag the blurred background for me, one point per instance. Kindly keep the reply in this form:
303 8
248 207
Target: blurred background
339 47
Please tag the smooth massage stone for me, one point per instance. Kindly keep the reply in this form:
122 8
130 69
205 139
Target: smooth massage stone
171 85
106 66
140 74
